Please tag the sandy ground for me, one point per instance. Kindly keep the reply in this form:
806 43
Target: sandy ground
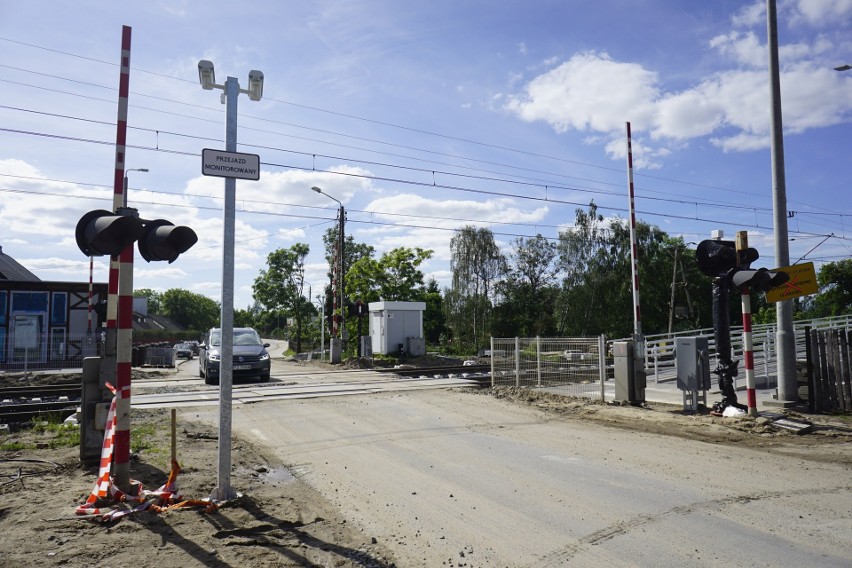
281 521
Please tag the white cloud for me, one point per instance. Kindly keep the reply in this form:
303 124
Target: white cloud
819 12
590 91
593 93
751 15
742 47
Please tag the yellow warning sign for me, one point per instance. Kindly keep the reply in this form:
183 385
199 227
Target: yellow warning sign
802 282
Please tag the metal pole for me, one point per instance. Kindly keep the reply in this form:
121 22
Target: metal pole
602 365
639 340
226 365
322 326
342 214
786 338
674 283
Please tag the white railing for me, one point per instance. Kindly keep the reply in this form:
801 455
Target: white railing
660 352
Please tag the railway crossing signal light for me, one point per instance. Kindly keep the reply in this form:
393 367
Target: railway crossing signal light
163 240
103 233
760 280
720 259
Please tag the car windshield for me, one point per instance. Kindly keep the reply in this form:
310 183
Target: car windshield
241 337
246 337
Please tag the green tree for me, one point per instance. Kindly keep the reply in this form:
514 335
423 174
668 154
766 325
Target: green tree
434 322
597 287
244 318
835 289
280 288
154 299
394 277
352 253
528 295
191 310
477 264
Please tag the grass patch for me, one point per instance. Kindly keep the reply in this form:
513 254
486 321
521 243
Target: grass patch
45 432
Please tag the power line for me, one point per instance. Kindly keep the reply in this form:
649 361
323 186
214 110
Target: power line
383 123
539 181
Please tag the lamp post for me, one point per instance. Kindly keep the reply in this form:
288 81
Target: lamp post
125 181
321 301
341 267
231 88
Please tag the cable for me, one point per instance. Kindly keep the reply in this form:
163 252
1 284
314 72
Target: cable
373 121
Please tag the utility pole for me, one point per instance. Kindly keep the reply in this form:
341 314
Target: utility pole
674 285
342 215
786 335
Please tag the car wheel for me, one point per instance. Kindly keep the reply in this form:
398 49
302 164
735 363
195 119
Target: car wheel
264 378
211 380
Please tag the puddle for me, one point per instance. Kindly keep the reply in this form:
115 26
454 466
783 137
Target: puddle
282 474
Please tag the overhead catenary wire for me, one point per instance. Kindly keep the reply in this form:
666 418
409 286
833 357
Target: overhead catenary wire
547 185
355 117
459 188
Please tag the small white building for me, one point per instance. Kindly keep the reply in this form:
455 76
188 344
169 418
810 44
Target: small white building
397 325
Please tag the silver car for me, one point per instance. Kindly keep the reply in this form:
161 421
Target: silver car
250 357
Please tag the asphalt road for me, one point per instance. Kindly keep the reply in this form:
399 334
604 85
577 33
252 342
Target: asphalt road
451 478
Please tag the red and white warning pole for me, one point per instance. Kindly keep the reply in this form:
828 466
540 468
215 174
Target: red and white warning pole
124 288
634 250
748 351
748 342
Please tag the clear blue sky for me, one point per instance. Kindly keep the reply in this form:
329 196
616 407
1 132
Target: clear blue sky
421 117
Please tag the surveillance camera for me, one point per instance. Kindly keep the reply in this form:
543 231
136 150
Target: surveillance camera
255 90
206 74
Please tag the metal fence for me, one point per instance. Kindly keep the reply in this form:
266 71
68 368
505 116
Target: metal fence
576 365
55 351
660 352
581 366
830 369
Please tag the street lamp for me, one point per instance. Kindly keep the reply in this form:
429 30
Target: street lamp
125 182
845 67
341 217
321 301
231 88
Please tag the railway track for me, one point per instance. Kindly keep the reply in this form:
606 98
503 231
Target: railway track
22 404
478 373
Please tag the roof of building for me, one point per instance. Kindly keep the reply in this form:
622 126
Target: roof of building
11 269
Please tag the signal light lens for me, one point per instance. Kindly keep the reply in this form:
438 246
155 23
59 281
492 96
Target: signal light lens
102 232
162 240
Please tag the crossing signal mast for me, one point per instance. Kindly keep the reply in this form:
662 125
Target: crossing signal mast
104 233
730 268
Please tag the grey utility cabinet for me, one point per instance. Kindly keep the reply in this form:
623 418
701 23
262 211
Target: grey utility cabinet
629 373
692 361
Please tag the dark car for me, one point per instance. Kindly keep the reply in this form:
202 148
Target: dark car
182 350
250 358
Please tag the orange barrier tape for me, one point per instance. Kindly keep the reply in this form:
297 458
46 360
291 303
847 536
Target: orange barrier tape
160 500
